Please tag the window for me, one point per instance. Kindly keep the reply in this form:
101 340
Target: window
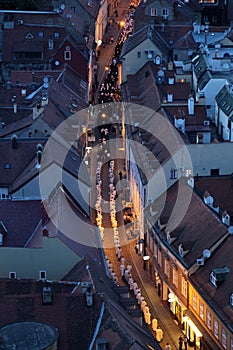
153 12
42 275
73 8
159 257
213 279
175 277
194 301
56 35
188 172
139 54
208 319
224 338
40 35
7 166
201 310
173 174
231 299
50 44
67 53
166 267
165 13
231 345
216 329
214 172
184 288
12 275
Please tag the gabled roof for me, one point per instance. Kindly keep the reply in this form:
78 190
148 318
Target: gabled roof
199 65
218 298
196 235
140 36
204 79
21 218
224 100
18 158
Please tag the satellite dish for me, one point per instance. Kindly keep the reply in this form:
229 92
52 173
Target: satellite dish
206 253
46 80
62 7
56 63
149 55
230 230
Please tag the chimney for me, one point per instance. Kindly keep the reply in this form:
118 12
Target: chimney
190 181
191 105
14 141
15 107
89 297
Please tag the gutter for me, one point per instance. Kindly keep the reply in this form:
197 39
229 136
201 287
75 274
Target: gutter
97 326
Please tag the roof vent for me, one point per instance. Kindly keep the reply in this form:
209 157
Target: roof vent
206 253
200 262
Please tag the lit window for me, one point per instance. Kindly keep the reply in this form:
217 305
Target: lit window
216 329
188 172
194 301
166 267
208 319
184 288
153 12
201 311
224 338
175 277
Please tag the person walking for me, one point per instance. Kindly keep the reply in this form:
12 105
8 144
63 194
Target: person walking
168 347
185 342
136 248
122 270
159 334
180 343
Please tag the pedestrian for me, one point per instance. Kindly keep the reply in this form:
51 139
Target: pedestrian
119 253
159 334
154 324
168 346
185 342
136 248
122 270
180 343
123 261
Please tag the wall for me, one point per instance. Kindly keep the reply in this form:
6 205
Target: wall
131 63
27 262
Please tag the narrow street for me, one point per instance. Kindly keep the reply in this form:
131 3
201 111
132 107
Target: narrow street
125 240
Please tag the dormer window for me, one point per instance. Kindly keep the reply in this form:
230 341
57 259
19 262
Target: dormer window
231 299
218 276
181 250
153 12
213 279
